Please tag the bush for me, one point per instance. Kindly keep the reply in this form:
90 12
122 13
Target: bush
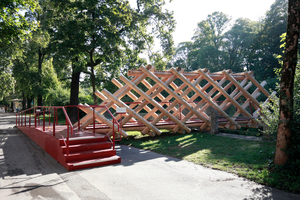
286 176
269 116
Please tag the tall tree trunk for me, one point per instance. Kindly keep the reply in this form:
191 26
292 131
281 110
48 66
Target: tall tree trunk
93 77
287 83
12 106
29 100
40 96
23 101
73 112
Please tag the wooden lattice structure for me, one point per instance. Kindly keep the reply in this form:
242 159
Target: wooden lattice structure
179 101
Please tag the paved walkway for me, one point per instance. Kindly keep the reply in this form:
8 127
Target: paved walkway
27 172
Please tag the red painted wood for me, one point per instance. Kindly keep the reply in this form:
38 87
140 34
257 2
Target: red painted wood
86 150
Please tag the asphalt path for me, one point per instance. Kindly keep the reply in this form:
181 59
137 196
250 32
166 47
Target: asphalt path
27 172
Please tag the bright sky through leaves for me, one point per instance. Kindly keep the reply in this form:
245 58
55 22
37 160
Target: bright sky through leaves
188 13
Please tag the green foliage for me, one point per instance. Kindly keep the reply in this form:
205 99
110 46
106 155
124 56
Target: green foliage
243 45
7 83
286 176
13 24
269 116
58 96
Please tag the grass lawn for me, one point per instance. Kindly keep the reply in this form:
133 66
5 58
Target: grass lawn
249 159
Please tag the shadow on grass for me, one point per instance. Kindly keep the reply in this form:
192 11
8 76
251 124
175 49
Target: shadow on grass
213 148
246 158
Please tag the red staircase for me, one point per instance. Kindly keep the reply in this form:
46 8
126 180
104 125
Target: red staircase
72 148
87 152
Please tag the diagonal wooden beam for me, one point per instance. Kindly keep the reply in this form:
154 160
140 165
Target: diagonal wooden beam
202 102
171 106
177 90
119 95
149 86
256 113
100 118
171 92
133 97
200 105
86 118
145 102
211 103
149 99
245 92
131 112
257 84
220 89
255 94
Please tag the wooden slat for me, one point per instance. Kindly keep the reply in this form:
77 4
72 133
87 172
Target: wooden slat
132 112
100 118
220 89
257 84
245 92
171 92
87 120
160 74
133 97
211 103
149 99
145 102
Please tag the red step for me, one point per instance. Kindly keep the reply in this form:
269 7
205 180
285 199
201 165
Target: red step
85 140
80 147
88 155
86 150
94 163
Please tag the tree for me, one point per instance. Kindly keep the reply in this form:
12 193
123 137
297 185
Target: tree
267 43
6 84
101 36
285 133
13 24
238 43
208 42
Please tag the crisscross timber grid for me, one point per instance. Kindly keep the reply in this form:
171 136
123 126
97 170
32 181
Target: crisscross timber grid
179 101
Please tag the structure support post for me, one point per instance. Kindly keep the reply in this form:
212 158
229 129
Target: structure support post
214 122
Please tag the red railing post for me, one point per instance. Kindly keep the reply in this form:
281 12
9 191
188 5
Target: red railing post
34 117
113 134
94 119
49 110
67 139
78 118
54 122
39 117
56 117
21 119
25 119
30 118
44 119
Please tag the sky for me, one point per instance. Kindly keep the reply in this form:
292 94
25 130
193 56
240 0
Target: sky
188 13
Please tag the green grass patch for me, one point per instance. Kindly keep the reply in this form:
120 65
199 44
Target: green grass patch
249 159
61 120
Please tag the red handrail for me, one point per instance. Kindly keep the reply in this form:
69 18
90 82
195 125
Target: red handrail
70 128
55 119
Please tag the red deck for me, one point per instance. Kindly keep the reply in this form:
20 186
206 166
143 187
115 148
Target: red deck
85 149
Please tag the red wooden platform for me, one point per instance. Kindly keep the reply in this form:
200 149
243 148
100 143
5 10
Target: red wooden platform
86 149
